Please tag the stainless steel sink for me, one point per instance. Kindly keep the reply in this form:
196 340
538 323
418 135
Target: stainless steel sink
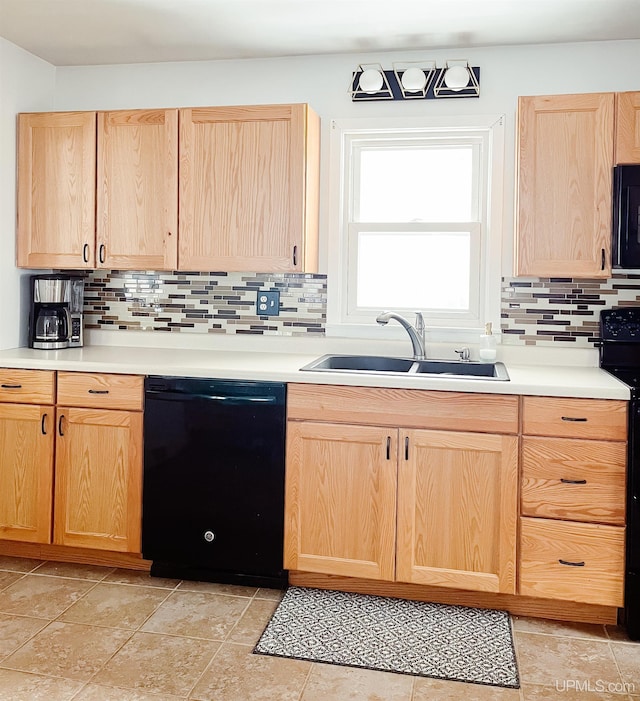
379 364
361 363
462 368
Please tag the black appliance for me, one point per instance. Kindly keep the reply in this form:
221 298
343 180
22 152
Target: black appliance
626 217
213 493
620 356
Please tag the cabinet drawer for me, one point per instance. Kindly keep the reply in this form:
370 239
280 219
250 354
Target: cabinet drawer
27 386
101 391
597 553
574 479
382 406
604 419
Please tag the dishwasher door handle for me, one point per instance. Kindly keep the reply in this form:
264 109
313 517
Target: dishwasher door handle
169 396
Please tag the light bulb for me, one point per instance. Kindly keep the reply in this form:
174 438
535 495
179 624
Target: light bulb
370 81
414 79
456 77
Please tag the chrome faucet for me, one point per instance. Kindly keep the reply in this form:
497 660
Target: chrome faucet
416 333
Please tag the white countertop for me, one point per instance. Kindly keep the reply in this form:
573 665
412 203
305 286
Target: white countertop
544 380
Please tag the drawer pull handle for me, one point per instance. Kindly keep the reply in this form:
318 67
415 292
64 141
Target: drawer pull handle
573 418
564 481
11 386
98 391
572 564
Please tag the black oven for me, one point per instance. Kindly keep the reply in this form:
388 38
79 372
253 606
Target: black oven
626 217
620 356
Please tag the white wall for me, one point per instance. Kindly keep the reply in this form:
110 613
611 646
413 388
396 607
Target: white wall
26 85
322 81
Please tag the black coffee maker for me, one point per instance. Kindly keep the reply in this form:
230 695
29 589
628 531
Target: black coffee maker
49 317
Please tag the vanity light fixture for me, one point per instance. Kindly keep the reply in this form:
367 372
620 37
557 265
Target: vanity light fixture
421 80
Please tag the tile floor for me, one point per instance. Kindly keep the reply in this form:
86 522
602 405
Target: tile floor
81 633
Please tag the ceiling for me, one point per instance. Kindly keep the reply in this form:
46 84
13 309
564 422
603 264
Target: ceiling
90 32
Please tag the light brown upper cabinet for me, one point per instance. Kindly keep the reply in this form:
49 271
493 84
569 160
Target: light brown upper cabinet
249 188
565 159
137 190
56 190
247 195
628 127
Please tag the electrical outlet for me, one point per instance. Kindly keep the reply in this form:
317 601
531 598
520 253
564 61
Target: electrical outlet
268 302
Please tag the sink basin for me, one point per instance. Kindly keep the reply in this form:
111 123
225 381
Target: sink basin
462 368
379 364
361 363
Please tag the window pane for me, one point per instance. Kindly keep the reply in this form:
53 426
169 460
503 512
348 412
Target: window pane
416 184
414 271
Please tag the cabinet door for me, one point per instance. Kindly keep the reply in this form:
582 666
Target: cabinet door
341 499
98 492
56 190
137 221
26 472
245 175
457 510
628 127
564 185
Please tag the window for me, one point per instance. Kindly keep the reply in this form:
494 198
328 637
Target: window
411 222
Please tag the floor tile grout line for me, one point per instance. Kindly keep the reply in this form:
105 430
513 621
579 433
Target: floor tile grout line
204 671
306 681
615 661
6 657
49 622
78 564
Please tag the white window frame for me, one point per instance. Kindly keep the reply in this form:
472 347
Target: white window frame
487 132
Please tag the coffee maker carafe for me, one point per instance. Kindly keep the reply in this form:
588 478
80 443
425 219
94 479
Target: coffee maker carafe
49 318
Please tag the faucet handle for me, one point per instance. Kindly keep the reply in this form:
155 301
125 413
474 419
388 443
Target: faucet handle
463 353
419 323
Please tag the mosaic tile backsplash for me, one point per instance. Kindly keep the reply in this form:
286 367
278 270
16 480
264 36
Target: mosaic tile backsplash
535 311
549 311
204 302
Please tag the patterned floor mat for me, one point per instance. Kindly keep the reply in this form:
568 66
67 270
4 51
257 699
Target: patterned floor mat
393 635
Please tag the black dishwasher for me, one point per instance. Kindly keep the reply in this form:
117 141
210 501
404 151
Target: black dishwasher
213 493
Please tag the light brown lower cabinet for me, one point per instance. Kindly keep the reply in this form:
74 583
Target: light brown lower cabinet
97 499
456 496
27 428
572 527
26 472
98 491
573 561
